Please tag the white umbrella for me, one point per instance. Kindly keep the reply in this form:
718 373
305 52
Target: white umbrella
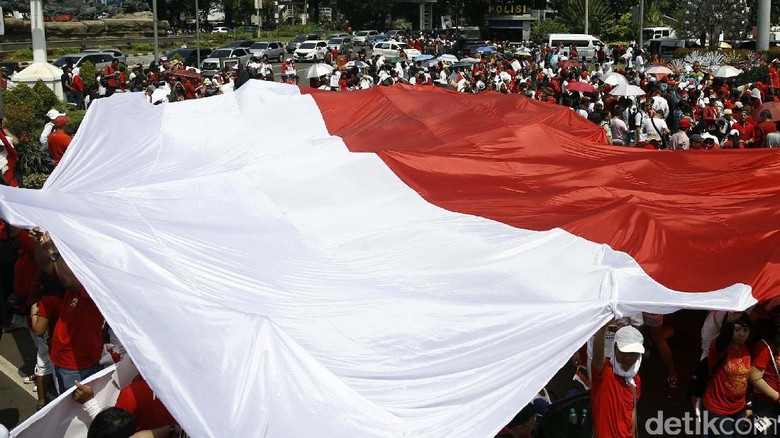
471 60
523 53
627 90
448 58
358 64
726 71
318 70
613 78
659 70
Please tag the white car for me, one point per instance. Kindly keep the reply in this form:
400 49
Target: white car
360 37
392 48
311 51
220 29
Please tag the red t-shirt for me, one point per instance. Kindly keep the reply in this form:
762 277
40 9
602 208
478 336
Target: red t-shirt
725 393
77 340
765 128
58 143
612 403
138 399
49 308
108 72
78 84
763 360
26 268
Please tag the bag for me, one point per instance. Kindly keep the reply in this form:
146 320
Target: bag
632 120
664 140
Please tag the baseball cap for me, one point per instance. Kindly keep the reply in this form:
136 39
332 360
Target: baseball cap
685 123
53 114
629 340
738 104
727 111
61 120
697 138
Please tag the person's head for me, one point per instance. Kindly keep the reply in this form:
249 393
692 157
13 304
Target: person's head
61 122
53 114
728 114
112 423
685 124
628 347
697 141
524 422
114 62
766 115
742 328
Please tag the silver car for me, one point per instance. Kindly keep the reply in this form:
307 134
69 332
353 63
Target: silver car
116 53
342 44
267 50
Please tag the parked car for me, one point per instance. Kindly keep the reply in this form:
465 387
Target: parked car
360 37
99 60
239 43
373 39
190 55
220 29
267 50
218 57
336 35
391 48
342 44
116 53
397 34
296 42
311 51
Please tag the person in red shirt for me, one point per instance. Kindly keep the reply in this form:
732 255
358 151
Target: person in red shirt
77 89
773 79
59 140
111 73
616 386
729 364
8 154
765 127
77 339
137 398
764 373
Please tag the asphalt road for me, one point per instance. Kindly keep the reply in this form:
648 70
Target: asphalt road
17 359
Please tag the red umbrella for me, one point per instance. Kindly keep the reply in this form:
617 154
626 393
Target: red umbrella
569 63
187 73
773 107
580 86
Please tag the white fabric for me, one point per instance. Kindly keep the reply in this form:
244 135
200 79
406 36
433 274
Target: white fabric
268 282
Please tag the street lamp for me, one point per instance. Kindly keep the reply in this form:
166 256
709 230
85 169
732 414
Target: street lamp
156 40
197 33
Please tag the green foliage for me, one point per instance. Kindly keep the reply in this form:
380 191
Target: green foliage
23 96
547 26
21 118
368 14
22 54
132 6
772 53
141 48
59 51
34 180
755 74
623 30
177 57
31 161
88 72
76 117
48 98
401 23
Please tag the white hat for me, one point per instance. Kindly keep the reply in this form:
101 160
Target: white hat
734 132
756 93
727 112
629 340
53 114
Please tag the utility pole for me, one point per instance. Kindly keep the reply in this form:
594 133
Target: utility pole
586 18
641 21
197 32
156 36
764 10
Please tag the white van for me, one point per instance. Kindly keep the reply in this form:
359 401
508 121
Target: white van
586 44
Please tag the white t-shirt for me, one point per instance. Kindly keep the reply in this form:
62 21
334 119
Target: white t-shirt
650 132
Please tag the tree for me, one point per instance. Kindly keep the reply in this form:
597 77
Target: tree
544 27
572 14
706 19
366 13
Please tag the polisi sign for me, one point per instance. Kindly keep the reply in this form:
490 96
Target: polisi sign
507 9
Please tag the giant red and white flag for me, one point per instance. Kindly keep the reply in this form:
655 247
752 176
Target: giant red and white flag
385 263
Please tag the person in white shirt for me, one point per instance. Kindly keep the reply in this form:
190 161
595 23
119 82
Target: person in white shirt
334 80
47 129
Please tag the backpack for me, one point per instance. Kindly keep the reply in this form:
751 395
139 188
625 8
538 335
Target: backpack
632 120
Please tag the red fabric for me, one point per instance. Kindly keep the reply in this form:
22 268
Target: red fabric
58 143
725 394
108 72
774 77
77 340
612 403
138 399
78 84
694 221
763 360
25 268
12 157
765 128
49 308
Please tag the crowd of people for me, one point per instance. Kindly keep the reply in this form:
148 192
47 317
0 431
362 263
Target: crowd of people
676 111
